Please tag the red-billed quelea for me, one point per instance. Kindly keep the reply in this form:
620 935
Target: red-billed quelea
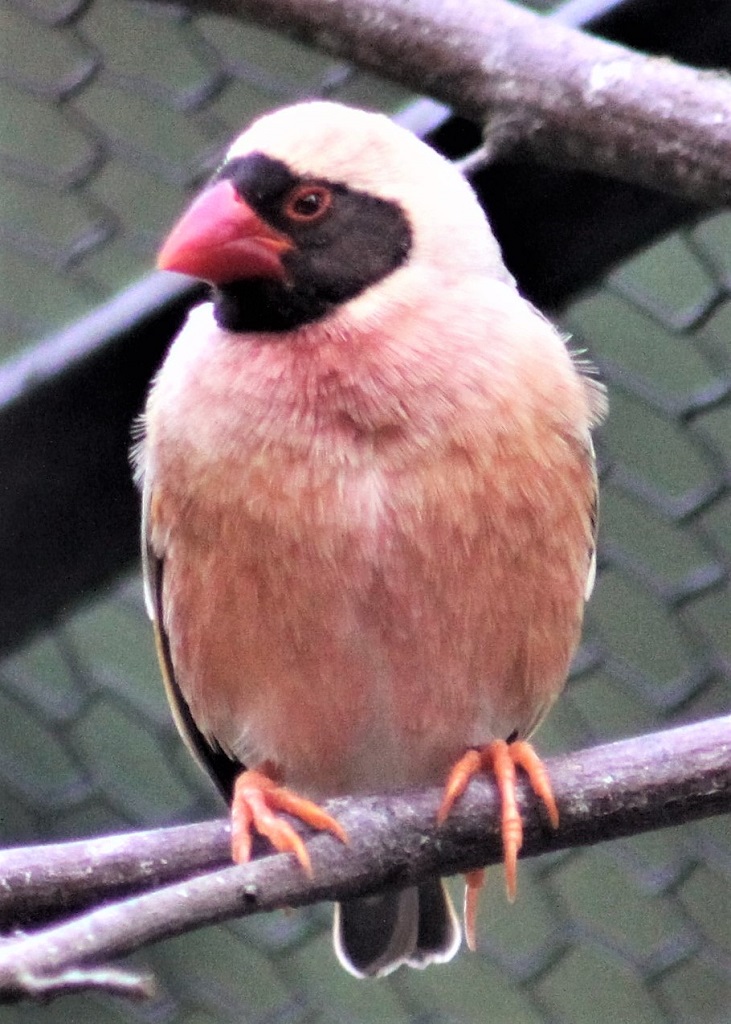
369 499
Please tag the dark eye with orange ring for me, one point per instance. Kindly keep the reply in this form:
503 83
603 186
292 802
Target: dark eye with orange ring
307 203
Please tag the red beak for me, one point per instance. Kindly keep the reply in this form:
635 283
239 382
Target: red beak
220 239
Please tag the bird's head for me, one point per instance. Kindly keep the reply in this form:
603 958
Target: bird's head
316 204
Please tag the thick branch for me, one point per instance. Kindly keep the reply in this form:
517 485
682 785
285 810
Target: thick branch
603 793
39 883
544 91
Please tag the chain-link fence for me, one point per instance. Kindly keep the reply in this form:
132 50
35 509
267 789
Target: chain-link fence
112 111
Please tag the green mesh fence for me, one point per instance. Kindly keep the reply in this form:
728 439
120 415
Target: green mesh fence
111 112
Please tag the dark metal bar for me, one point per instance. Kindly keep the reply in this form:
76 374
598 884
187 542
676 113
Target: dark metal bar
68 509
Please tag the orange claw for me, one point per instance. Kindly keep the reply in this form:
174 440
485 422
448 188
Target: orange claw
474 881
500 758
257 802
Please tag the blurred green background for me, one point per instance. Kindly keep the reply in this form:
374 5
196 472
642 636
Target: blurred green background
111 111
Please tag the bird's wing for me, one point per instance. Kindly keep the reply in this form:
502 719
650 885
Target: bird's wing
597 397
222 768
593 511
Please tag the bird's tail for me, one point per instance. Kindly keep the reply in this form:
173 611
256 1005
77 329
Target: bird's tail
373 935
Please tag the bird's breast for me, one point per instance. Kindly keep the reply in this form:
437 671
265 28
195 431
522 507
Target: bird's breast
354 588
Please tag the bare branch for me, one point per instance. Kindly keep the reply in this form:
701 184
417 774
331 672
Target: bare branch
609 791
110 980
544 91
39 883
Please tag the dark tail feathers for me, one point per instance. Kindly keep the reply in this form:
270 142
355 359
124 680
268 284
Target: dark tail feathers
373 935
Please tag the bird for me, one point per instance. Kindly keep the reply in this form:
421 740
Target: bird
369 500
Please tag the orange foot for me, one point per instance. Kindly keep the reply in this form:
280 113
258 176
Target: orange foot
257 801
501 758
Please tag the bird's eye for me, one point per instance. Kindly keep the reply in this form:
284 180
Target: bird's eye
308 203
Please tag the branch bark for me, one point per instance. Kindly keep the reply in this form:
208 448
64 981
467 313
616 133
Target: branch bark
603 793
40 883
543 91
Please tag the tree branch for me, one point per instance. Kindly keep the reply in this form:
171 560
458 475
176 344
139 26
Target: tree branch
110 980
40 883
603 793
543 91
